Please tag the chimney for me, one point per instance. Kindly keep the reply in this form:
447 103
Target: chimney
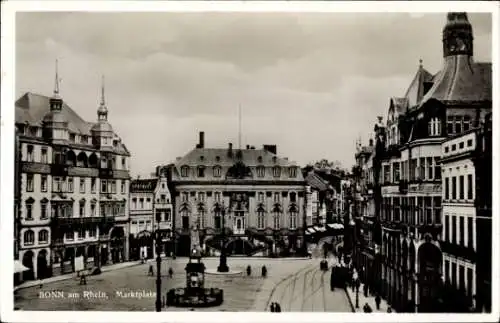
201 144
248 146
252 147
371 142
230 150
271 148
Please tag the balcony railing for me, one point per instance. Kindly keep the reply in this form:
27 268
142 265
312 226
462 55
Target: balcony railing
458 250
32 167
71 221
105 172
59 169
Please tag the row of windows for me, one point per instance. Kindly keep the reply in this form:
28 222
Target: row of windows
71 159
65 210
458 237
145 203
261 220
423 168
260 196
419 211
217 171
461 145
460 190
66 185
29 237
450 275
458 124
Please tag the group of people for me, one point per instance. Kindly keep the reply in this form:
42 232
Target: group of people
275 307
151 271
263 271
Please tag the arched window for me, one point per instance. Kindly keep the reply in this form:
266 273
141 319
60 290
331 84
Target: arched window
276 219
43 236
261 171
185 218
201 217
261 219
217 171
217 218
29 208
29 237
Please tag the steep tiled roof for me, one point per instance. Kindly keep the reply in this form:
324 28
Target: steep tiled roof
252 158
33 107
316 182
415 91
461 80
143 185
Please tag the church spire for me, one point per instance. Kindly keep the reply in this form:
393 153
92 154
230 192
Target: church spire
56 101
102 111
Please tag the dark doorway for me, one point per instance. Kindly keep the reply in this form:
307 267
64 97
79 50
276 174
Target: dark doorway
42 267
28 262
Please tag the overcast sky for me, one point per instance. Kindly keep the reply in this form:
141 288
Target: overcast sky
309 83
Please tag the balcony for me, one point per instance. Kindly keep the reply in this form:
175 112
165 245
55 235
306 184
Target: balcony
70 221
59 169
83 171
403 186
458 250
39 168
105 173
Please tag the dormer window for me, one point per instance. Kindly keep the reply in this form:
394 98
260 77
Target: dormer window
34 131
261 171
84 139
217 171
292 172
202 158
72 137
217 158
184 171
434 127
201 171
259 159
276 171
275 159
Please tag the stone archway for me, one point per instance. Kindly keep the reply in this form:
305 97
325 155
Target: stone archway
429 261
28 262
42 267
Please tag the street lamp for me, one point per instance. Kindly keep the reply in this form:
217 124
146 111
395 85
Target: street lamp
223 267
158 263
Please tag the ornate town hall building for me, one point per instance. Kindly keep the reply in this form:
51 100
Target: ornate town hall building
435 107
74 178
255 195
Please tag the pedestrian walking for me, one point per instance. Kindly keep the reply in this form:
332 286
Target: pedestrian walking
389 309
264 271
170 272
377 301
278 307
151 271
249 270
367 308
273 307
83 279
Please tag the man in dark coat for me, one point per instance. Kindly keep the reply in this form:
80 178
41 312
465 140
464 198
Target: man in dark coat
377 301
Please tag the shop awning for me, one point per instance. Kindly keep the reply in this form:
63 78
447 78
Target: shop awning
19 267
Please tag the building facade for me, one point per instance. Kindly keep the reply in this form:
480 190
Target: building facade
466 238
150 211
74 180
256 196
407 170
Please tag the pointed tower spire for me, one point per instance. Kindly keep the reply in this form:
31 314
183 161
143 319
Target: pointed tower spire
457 35
102 111
421 63
56 101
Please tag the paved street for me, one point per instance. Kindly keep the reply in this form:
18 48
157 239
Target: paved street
296 284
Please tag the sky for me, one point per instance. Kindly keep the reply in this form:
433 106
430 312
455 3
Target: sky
311 83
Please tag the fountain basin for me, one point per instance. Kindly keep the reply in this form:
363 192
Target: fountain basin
195 297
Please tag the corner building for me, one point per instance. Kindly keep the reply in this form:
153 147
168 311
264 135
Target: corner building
74 180
256 196
435 107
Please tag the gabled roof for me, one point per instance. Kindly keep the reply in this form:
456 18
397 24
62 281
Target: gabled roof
143 185
461 80
415 91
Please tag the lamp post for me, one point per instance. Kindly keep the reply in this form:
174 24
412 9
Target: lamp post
158 264
223 267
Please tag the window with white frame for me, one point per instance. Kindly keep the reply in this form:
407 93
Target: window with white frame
30 154
292 172
43 210
43 183
93 185
217 196
276 197
123 189
261 171
276 219
29 237
184 171
276 171
29 183
82 184
29 209
293 218
435 127
104 186
217 171
92 208
70 184
261 219
82 208
261 197
44 154
43 236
